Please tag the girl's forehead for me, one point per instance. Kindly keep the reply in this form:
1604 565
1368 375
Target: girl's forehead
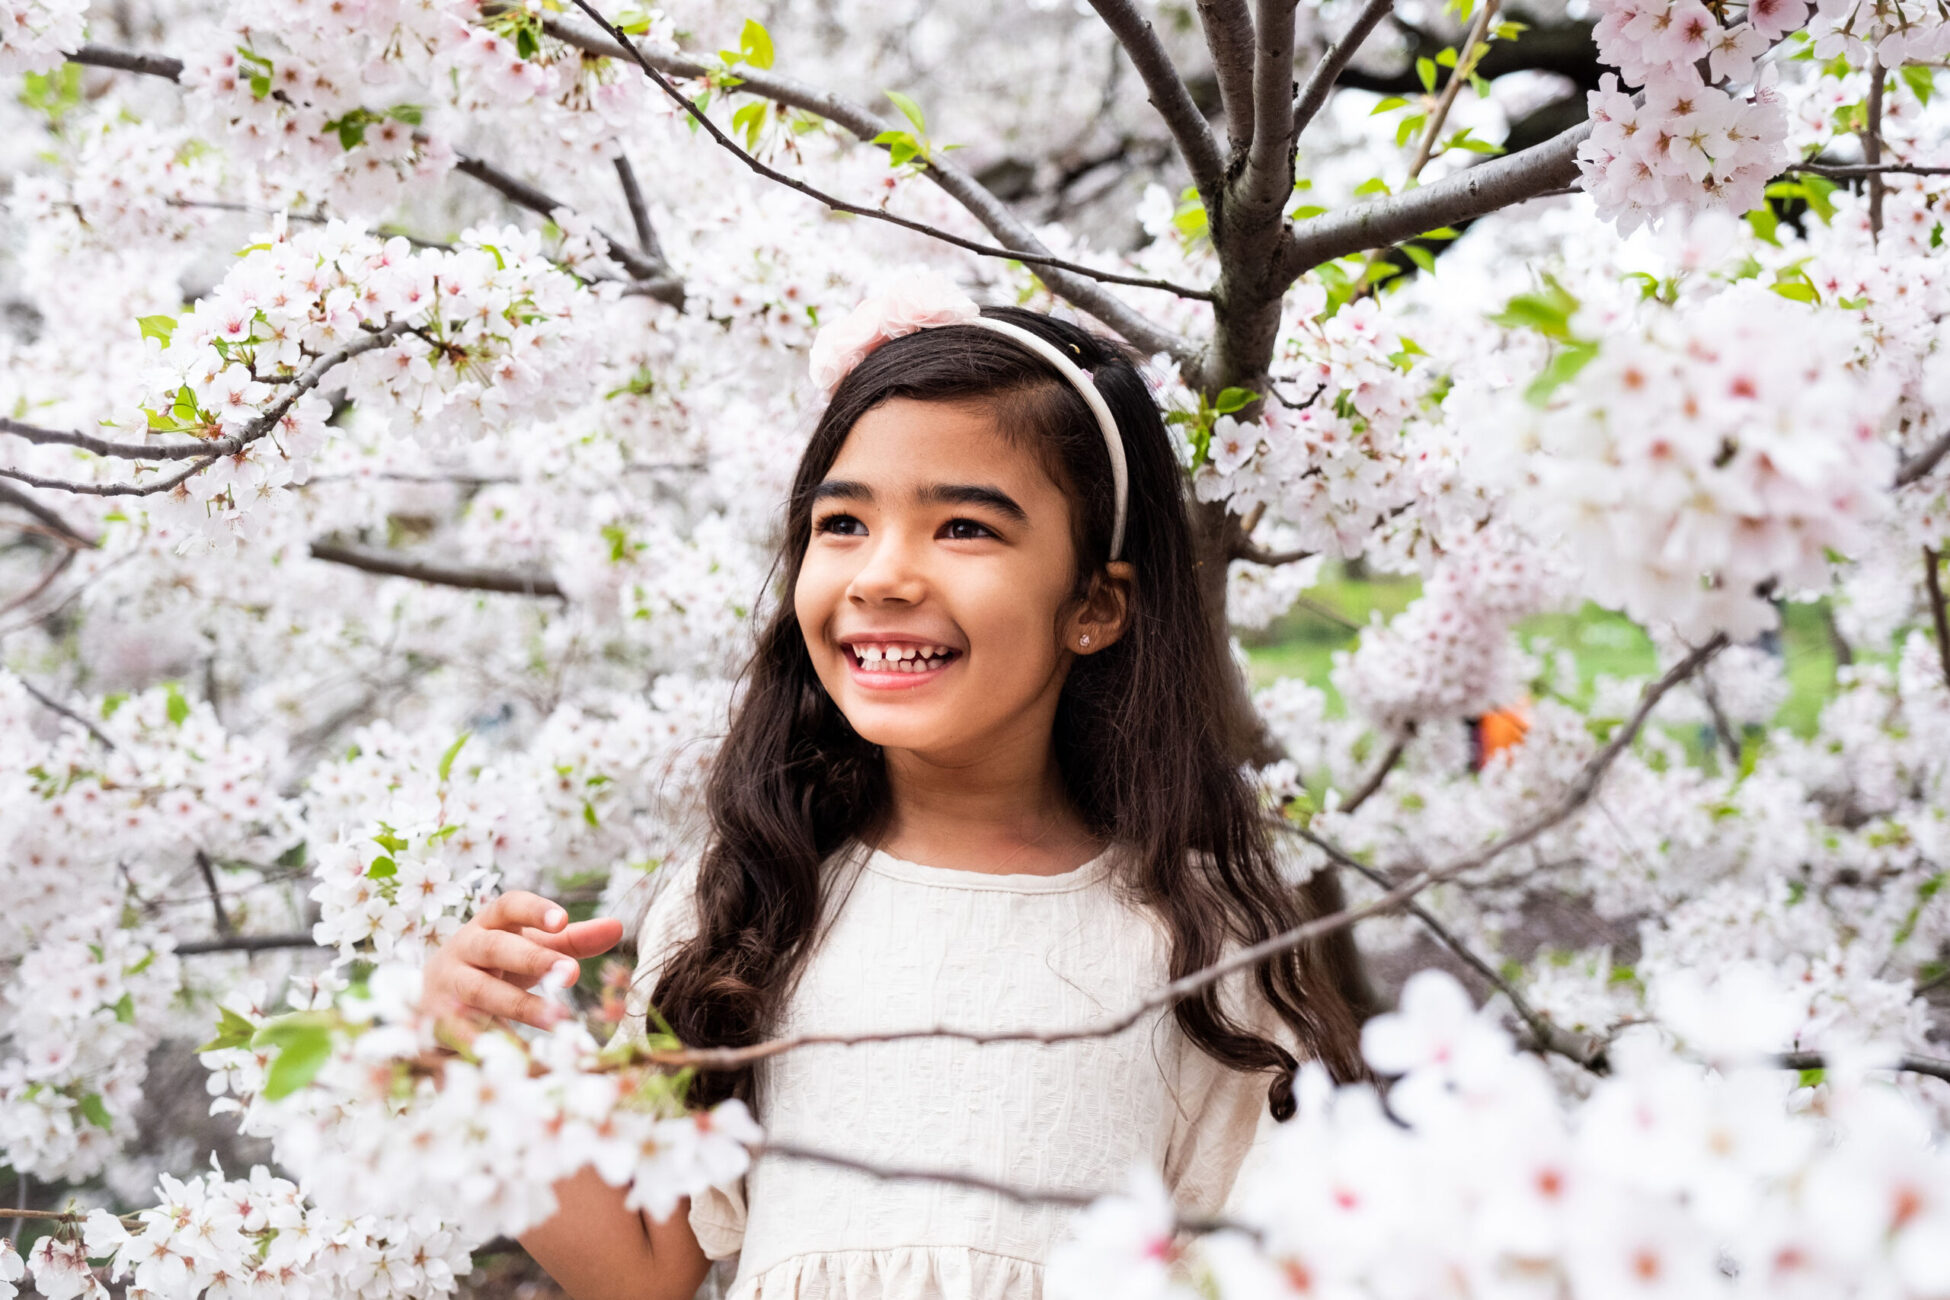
903 442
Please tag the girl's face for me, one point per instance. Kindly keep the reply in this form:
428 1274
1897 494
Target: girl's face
935 592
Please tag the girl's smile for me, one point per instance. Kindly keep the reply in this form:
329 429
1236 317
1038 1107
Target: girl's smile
892 662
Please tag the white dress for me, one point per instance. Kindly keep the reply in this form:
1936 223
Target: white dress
911 946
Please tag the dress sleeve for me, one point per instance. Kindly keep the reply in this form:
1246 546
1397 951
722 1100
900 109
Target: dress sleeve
1223 1116
717 1216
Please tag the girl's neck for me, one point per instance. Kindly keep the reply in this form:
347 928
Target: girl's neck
1006 812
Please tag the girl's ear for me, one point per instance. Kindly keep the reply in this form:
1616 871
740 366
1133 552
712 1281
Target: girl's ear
1105 612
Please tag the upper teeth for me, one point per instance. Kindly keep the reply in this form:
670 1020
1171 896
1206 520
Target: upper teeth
873 654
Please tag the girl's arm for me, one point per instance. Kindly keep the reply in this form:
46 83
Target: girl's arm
595 1249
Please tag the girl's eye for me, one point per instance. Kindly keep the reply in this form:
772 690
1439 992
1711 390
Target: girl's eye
840 525
965 530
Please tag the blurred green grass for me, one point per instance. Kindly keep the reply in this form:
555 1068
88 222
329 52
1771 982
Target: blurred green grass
1302 644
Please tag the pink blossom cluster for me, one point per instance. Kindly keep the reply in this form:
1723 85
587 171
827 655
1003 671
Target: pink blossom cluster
1450 653
124 182
35 35
1670 1179
482 1146
1711 455
328 97
1330 454
1687 143
254 1238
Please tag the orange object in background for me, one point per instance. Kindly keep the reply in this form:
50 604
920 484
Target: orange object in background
1495 732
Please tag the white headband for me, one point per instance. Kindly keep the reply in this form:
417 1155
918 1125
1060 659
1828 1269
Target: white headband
930 299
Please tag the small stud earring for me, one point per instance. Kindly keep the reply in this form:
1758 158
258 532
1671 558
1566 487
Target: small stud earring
1084 640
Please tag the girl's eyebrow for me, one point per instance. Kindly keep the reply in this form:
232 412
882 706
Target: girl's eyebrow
974 494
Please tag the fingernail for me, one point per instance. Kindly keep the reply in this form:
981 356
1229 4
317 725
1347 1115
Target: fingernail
554 918
563 973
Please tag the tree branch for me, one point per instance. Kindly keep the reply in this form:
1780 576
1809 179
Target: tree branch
1872 145
1253 553
1268 179
1922 462
13 496
1938 617
216 448
646 234
1073 281
1908 1064
652 275
1856 171
1465 195
55 706
1458 75
1321 78
115 450
245 943
1168 92
149 65
440 575
216 895
1380 774
1545 1035
1229 36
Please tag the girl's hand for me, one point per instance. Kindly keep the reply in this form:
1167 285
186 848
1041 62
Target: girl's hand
485 969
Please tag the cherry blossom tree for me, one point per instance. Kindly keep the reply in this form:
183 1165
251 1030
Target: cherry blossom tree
395 402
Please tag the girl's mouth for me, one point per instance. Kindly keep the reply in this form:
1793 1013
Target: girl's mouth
892 666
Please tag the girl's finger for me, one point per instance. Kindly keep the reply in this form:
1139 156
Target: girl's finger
513 911
499 950
582 939
480 991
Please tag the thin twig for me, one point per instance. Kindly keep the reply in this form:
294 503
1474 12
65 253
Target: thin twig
1857 171
1083 292
1580 791
13 496
838 204
1936 1069
439 575
231 444
216 895
1915 467
646 234
55 706
1934 585
149 65
1872 145
654 277
1380 773
1333 61
33 593
1458 75
1020 1195
1545 1035
245 943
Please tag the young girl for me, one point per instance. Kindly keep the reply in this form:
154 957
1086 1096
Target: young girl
981 777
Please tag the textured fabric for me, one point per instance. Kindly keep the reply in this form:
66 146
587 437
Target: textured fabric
908 946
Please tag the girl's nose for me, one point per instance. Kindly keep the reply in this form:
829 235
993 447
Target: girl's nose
890 572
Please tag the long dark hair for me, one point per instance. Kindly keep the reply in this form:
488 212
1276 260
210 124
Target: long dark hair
1144 731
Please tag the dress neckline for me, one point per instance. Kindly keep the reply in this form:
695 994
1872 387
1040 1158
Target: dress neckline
883 863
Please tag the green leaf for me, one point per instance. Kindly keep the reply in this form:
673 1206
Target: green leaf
125 1009
526 46
382 869
95 1112
1441 232
1921 80
1811 1078
1447 58
407 113
1233 399
304 1043
175 705
233 1031
750 120
1425 71
1563 368
1388 105
1307 211
113 701
1509 30
1406 129
589 813
453 752
157 327
1422 257
1373 185
1548 312
1796 290
909 109
1816 190
755 43
1765 224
